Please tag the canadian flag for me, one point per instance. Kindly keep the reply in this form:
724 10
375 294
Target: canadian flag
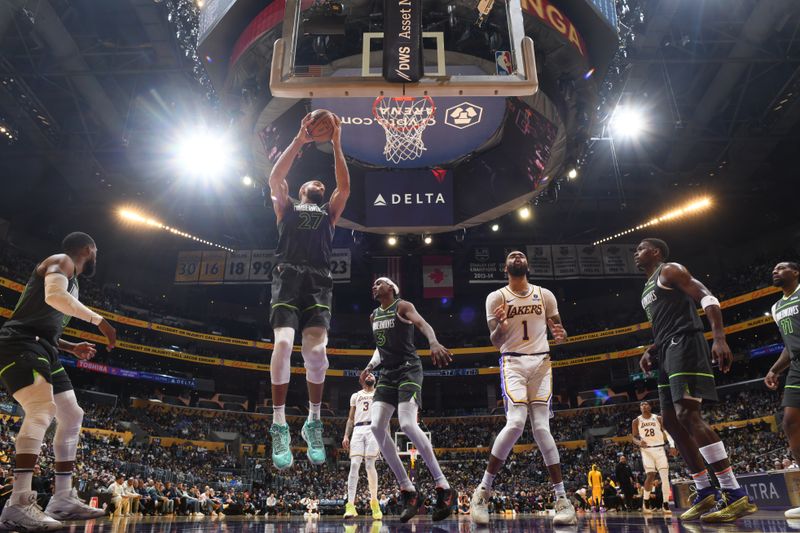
437 276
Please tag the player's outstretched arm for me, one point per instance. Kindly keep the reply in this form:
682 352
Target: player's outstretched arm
278 187
408 313
676 275
342 192
782 363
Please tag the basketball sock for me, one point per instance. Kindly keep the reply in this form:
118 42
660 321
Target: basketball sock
381 415
645 498
559 489
314 410
701 480
63 482
372 478
488 480
23 477
726 479
279 415
407 416
666 488
352 479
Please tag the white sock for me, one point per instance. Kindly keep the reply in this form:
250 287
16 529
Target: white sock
279 415
488 480
63 481
23 477
701 480
559 488
726 479
645 498
314 410
352 481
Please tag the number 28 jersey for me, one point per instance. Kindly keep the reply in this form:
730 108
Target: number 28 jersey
305 235
362 401
527 316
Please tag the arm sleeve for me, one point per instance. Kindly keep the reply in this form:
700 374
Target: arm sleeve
376 359
57 297
492 301
669 439
550 303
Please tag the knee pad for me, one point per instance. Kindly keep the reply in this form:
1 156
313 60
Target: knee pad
280 371
40 409
314 356
69 417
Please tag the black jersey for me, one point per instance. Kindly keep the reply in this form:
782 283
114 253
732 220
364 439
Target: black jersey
786 313
305 235
33 317
670 311
394 338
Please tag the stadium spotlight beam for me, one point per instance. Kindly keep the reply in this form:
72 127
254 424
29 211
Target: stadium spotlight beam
204 154
690 208
135 217
627 122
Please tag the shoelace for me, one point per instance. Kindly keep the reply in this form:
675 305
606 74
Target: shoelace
36 511
315 431
279 443
722 503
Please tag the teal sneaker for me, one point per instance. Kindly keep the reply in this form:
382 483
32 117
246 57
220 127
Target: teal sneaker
281 442
312 434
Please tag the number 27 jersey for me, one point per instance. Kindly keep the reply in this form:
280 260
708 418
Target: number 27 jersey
527 316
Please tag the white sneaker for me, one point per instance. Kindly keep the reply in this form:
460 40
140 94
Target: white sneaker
565 513
66 505
792 514
27 516
479 506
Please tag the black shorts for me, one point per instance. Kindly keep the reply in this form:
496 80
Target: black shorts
685 370
398 385
21 360
791 390
301 297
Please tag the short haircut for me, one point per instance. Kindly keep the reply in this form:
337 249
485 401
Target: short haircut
793 265
75 241
660 245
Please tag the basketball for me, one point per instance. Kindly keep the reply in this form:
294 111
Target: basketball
321 127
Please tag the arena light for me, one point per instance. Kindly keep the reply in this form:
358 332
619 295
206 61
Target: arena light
392 240
136 217
524 212
495 227
627 122
427 239
204 154
691 208
247 181
572 173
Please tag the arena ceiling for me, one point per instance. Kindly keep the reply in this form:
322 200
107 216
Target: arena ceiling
94 83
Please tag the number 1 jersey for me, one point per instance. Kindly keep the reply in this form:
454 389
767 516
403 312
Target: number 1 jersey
527 316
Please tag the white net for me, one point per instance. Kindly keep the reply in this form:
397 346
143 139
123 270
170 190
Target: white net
404 120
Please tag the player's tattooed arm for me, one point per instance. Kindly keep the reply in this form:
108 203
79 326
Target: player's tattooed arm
771 380
677 276
409 314
342 192
278 187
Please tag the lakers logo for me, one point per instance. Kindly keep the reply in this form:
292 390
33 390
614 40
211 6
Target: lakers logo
513 311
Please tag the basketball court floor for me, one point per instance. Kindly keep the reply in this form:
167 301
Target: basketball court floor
608 523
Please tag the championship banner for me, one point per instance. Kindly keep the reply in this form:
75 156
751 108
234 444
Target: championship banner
590 261
565 261
437 276
402 41
618 260
540 261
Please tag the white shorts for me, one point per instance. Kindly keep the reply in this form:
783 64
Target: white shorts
654 459
526 379
363 443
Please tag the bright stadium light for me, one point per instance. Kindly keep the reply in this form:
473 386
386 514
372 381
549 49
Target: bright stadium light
495 227
247 181
691 208
573 173
392 240
136 217
627 122
204 154
524 212
427 239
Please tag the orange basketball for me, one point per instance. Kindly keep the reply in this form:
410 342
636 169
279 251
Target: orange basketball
321 127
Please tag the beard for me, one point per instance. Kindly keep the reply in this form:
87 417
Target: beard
517 270
370 382
315 197
89 268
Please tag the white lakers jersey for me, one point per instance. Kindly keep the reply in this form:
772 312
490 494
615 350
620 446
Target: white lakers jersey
650 431
527 316
362 401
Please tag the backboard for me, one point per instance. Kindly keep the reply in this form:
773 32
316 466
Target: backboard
335 49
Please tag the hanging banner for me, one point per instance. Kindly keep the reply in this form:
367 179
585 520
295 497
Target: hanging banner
237 267
340 265
212 267
437 276
540 261
565 261
188 268
618 260
590 261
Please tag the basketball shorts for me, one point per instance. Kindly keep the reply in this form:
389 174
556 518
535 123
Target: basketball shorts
597 494
654 459
301 297
685 371
363 443
526 379
401 384
21 359
791 390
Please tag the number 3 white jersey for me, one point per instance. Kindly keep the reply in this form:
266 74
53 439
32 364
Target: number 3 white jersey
362 401
527 316
650 431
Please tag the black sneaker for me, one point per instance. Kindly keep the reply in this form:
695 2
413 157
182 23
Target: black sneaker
411 502
444 504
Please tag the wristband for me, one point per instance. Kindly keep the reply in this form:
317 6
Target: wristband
708 301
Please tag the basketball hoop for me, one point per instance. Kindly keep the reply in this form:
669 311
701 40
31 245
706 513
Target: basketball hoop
404 119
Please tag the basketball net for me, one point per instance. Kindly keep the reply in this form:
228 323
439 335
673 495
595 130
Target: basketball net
404 119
